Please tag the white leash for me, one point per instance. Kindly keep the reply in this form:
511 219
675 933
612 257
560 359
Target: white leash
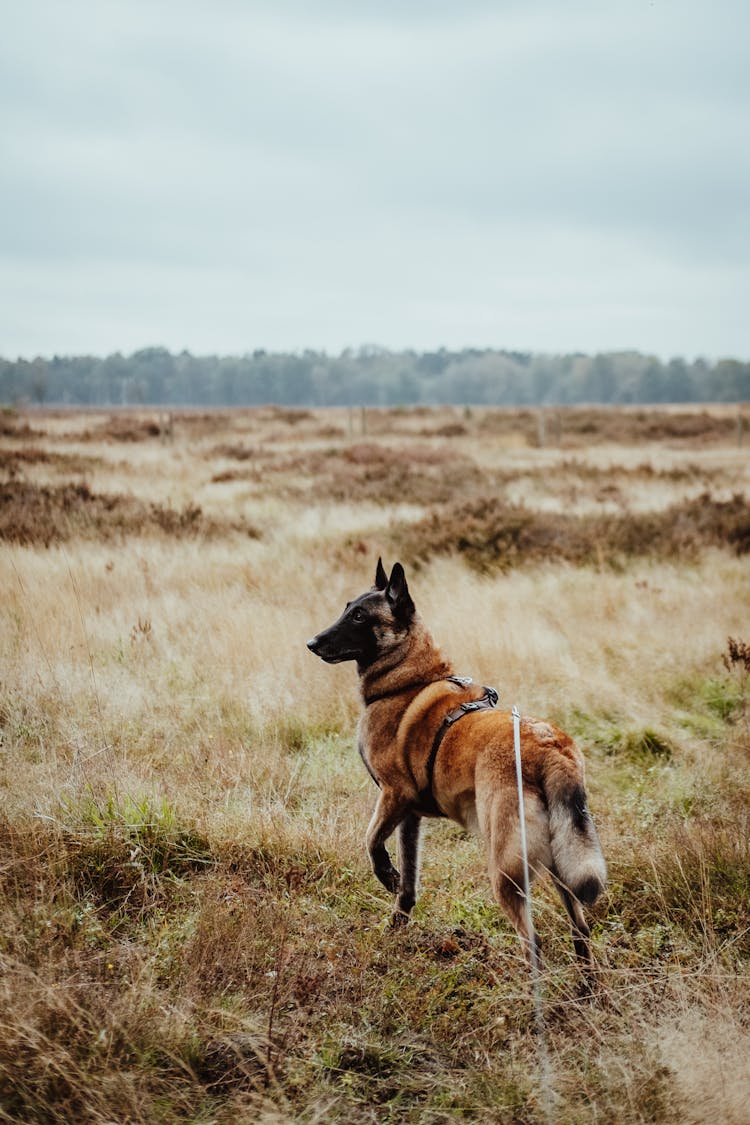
533 952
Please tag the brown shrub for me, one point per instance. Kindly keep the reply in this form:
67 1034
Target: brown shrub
290 415
502 423
738 653
233 451
13 461
374 454
449 430
583 425
633 426
11 426
125 428
205 421
424 474
227 476
142 425
369 471
45 514
491 533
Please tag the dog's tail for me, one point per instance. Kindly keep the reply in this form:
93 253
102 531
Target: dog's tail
577 855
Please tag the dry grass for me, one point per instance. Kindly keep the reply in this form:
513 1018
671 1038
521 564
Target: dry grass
190 931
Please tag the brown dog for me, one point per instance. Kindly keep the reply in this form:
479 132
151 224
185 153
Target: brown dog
436 746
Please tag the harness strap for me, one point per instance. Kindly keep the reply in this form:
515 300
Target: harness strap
486 703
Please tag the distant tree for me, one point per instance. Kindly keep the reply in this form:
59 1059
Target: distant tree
370 376
152 370
676 382
732 381
39 381
544 376
600 384
651 383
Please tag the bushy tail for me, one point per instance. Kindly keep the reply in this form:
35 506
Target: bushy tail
576 852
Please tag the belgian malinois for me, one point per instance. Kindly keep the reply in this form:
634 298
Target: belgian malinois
436 746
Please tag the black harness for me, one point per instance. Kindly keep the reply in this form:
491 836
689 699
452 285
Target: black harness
486 703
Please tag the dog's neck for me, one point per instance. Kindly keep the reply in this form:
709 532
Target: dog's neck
415 662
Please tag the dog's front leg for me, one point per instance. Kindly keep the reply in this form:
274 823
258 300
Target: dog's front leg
390 810
408 858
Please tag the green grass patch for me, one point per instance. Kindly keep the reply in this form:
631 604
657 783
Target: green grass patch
612 736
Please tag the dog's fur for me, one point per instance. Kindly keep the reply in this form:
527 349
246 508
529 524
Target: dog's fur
406 695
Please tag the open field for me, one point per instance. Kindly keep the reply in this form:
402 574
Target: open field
190 929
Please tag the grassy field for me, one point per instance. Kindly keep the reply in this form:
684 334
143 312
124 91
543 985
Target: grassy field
190 930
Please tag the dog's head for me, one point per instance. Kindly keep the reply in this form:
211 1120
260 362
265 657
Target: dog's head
371 626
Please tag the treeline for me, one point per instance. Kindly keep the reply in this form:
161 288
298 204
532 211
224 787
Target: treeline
369 377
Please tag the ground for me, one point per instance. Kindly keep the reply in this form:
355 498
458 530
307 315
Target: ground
190 929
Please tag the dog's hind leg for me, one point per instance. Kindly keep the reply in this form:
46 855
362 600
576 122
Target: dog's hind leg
509 893
505 863
579 926
408 858
390 811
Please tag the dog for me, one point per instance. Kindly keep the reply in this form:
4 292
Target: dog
436 745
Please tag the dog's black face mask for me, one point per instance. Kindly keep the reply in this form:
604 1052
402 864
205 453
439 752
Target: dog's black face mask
352 637
371 625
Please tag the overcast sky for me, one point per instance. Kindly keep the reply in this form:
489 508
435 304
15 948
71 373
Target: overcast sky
228 175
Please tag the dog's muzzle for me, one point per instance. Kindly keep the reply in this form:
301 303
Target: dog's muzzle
321 646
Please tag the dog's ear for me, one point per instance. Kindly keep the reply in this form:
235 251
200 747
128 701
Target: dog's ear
381 578
398 594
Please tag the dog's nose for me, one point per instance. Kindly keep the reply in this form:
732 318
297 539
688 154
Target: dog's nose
312 644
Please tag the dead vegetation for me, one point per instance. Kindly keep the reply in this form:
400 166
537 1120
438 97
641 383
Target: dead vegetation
134 426
575 427
234 451
565 427
126 429
131 427
11 426
493 505
15 460
32 514
368 471
430 475
490 533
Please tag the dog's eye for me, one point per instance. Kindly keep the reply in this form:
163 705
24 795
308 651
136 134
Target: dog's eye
358 615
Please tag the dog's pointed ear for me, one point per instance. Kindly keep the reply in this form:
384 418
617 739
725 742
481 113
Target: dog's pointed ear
398 594
381 578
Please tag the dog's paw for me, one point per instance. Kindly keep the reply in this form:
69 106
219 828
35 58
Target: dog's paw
390 879
399 919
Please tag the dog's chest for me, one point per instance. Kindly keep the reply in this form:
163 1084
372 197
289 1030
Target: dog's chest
364 747
375 742
366 760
